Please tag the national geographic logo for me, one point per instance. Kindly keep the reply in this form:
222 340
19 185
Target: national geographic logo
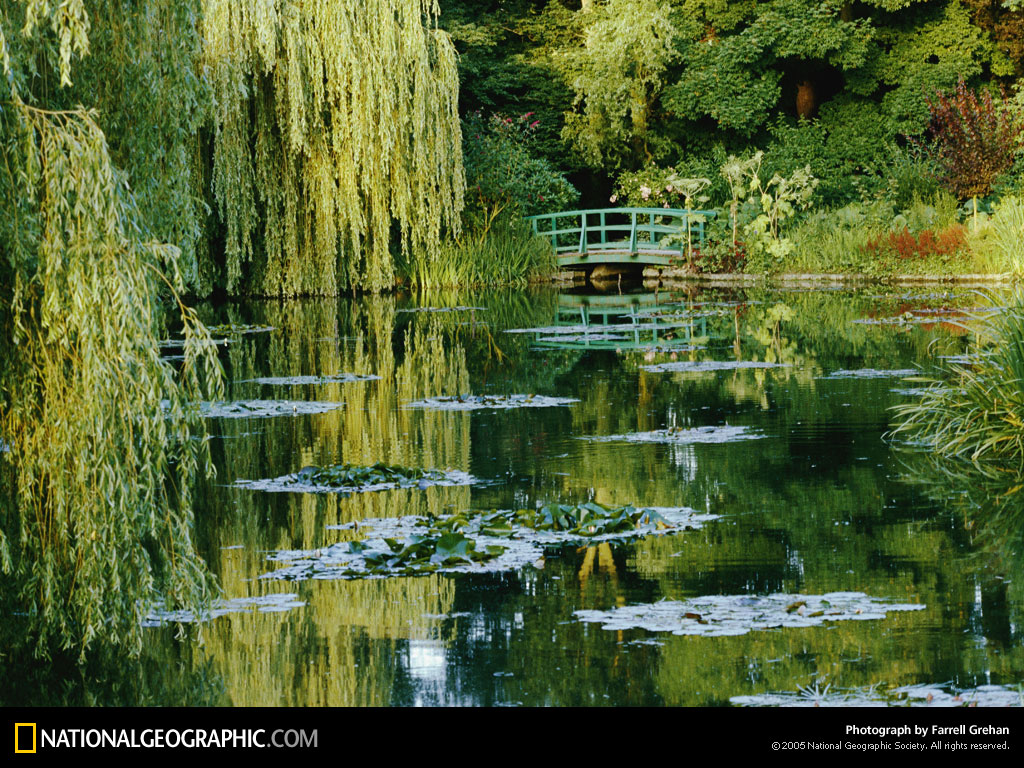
28 738
25 738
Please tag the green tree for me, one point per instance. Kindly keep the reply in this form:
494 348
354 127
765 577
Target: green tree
97 460
618 76
333 122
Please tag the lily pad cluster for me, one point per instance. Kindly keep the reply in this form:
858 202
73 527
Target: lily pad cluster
493 541
587 520
906 696
263 409
294 381
720 615
682 435
357 478
872 373
237 329
707 366
496 402
274 603
441 309
355 475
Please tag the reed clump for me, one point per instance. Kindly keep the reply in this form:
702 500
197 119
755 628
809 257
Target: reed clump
976 412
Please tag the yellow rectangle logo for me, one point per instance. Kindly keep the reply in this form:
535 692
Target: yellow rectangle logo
17 741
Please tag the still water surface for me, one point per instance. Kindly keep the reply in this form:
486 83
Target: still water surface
809 498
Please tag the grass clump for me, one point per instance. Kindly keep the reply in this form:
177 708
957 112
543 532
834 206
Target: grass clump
506 254
977 412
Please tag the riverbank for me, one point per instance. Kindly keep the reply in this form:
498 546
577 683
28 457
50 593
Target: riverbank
674 277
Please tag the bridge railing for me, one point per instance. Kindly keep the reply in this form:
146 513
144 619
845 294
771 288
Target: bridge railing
632 230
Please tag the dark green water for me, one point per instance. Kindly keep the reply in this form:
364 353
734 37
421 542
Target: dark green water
812 499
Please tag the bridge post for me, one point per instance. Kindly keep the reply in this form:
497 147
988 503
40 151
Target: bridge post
583 233
604 234
632 235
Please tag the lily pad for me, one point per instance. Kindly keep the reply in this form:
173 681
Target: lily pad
236 329
294 381
275 603
682 436
704 366
722 615
262 409
442 309
178 343
907 696
494 541
496 402
872 373
355 478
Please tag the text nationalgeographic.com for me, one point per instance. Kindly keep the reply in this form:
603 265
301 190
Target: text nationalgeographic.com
172 738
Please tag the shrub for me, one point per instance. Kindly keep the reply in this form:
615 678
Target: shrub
503 178
973 140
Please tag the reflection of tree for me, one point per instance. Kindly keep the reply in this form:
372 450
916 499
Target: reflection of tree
341 649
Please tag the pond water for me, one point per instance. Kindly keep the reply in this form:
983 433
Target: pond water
813 561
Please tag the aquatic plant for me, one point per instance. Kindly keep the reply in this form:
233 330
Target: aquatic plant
976 412
354 476
473 540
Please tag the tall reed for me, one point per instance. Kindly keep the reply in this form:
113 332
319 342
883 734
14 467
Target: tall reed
976 412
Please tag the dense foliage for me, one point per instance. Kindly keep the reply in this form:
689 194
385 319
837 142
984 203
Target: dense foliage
162 147
97 464
333 123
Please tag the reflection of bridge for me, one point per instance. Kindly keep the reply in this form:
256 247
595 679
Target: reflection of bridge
622 322
645 236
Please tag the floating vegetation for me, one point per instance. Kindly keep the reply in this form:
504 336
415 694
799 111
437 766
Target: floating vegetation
910 391
497 402
295 381
442 309
276 603
263 409
199 343
871 373
499 540
235 329
598 328
703 366
355 478
904 319
722 615
907 696
682 435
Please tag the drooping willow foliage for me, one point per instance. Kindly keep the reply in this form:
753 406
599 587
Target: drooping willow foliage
337 140
97 455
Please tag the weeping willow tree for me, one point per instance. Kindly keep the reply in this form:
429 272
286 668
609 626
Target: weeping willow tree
97 454
337 140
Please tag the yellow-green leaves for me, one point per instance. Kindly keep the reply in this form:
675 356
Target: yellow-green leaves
95 489
337 140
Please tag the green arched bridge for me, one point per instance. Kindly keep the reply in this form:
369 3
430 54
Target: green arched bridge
647 236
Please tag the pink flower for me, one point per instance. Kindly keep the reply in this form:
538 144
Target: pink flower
535 123
645 192
613 198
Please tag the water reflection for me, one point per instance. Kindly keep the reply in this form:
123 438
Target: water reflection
817 505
